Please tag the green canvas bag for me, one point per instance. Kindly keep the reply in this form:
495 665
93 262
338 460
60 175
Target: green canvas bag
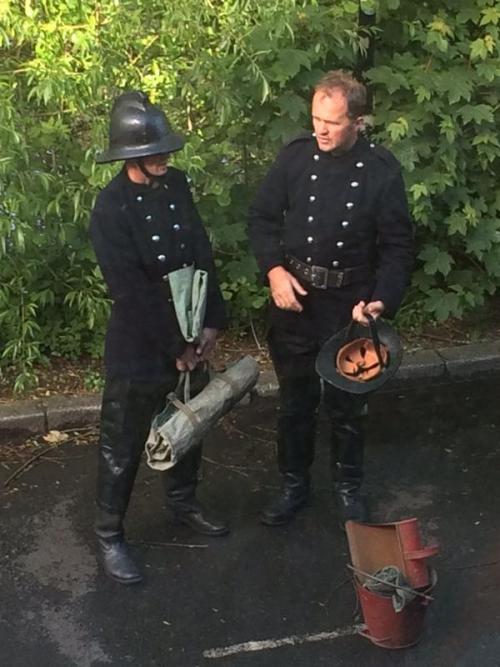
188 287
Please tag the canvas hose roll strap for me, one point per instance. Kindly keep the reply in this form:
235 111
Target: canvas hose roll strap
183 386
181 425
188 287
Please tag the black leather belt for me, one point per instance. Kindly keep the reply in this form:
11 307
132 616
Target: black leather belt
321 277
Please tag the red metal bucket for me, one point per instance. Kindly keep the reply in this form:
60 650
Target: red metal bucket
374 546
414 553
387 628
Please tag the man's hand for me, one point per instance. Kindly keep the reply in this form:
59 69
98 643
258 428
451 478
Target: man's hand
188 359
284 288
361 309
206 345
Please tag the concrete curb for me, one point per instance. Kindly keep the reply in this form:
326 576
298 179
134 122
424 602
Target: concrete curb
451 364
22 419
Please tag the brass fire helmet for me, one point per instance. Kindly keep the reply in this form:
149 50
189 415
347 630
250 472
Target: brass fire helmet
360 359
138 129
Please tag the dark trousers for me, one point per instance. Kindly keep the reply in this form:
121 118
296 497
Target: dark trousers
300 394
128 406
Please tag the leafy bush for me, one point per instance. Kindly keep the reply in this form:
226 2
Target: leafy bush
439 64
235 77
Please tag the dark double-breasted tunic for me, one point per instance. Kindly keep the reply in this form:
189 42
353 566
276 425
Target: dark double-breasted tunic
339 212
140 234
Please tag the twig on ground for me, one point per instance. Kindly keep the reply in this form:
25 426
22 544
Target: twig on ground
26 465
68 458
334 590
270 487
254 334
168 544
248 435
410 350
452 327
239 467
267 430
83 429
51 459
222 465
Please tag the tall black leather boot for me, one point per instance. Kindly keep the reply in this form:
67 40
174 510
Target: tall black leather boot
347 414
293 496
113 551
300 391
347 466
180 484
295 456
127 408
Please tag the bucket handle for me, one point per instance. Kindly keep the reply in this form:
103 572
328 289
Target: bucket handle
366 634
429 598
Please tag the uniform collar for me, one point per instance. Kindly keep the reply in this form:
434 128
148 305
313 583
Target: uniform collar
359 147
142 189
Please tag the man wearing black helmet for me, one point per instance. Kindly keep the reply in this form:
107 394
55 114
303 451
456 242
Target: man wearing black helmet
145 225
332 234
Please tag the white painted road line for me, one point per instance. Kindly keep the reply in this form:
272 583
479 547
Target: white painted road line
293 640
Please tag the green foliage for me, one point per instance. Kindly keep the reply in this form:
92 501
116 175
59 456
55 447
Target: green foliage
235 77
93 381
440 62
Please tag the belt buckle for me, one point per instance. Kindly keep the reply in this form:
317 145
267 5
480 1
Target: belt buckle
319 277
339 278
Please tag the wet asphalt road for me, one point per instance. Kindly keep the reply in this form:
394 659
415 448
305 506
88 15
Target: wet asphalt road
433 454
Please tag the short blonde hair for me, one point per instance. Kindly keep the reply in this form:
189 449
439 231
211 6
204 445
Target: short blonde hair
354 91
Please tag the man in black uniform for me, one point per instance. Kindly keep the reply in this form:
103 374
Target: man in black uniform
143 226
332 235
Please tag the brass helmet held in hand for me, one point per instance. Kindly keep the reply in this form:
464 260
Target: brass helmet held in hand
360 359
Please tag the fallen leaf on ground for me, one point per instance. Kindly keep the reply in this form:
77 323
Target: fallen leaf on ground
55 436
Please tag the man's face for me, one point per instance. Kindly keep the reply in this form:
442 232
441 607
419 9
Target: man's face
157 165
332 125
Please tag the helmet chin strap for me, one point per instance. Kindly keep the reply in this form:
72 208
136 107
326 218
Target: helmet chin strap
154 180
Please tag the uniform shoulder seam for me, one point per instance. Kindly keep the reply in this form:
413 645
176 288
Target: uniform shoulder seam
302 137
386 156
